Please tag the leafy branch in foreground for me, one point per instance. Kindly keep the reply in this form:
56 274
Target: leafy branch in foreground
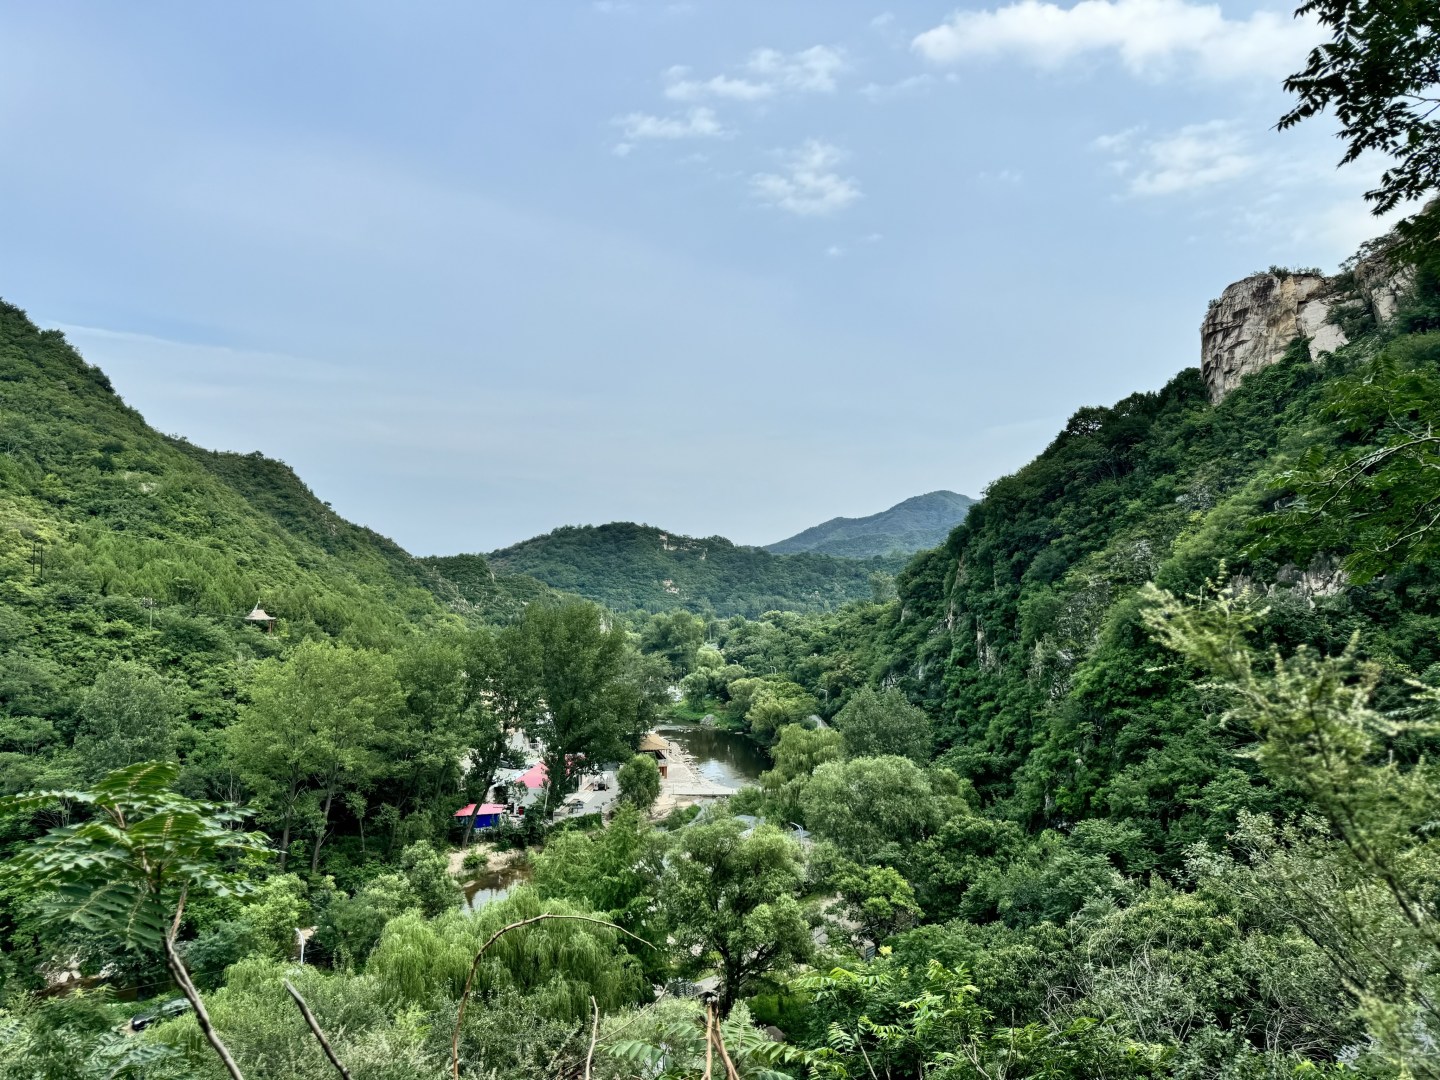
1359 875
1380 74
128 868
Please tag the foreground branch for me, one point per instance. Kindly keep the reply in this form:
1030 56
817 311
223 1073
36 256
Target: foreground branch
315 1030
182 980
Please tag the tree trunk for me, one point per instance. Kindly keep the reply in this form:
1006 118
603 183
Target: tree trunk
285 844
321 831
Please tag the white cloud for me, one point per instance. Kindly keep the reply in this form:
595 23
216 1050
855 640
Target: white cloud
1003 176
885 18
613 7
883 92
1195 156
767 73
812 70
809 186
720 86
1153 38
834 251
698 123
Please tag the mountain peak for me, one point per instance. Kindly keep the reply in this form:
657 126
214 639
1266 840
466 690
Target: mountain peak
917 523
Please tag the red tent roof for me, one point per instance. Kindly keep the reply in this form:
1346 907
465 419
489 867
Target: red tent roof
485 810
534 776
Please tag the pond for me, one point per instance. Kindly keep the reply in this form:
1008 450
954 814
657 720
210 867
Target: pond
726 757
490 885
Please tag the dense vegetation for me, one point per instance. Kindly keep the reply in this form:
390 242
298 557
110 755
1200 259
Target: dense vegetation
916 524
1082 858
628 567
1132 777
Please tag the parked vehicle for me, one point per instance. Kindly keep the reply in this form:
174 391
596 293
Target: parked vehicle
168 1011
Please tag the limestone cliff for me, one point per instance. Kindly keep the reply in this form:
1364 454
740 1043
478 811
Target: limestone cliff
1254 321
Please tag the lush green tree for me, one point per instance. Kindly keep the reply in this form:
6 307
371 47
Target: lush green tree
879 1021
566 678
317 725
437 716
732 898
770 703
876 900
1357 876
349 927
485 737
881 723
868 805
75 1036
799 753
560 963
1375 498
616 872
275 911
427 871
639 780
130 714
1378 74
676 638
129 868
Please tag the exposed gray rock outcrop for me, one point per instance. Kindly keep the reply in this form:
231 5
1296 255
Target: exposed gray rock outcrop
1254 321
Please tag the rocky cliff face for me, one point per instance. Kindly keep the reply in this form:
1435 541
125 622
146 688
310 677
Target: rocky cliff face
1253 322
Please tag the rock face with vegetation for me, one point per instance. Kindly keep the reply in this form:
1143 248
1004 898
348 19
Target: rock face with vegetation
1255 320
920 522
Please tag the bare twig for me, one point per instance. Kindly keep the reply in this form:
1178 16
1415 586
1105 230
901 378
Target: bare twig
860 1042
730 1071
182 979
709 1039
475 966
594 1035
315 1030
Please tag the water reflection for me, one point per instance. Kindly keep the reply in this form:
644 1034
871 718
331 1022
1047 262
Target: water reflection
726 757
491 885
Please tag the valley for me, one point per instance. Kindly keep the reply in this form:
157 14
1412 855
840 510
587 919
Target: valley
1124 768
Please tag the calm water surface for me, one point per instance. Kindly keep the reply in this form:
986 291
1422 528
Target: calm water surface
491 885
725 757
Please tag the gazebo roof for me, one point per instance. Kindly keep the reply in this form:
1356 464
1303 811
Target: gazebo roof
652 742
259 615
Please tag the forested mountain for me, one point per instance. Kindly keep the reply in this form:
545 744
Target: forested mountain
1023 635
119 543
627 566
1092 828
918 523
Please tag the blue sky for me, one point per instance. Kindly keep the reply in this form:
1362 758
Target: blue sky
480 269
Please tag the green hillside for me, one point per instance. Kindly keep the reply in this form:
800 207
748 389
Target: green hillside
918 523
626 566
1022 635
118 543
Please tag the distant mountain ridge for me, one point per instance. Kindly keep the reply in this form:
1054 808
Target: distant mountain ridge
627 566
917 524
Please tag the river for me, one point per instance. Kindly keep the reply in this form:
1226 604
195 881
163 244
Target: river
726 757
